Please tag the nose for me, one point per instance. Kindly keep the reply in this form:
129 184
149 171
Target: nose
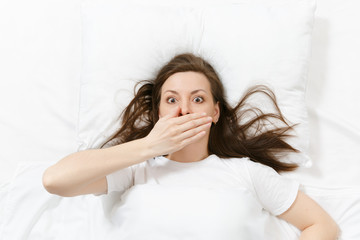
185 108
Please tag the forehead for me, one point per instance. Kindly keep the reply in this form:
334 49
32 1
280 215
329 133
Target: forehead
186 81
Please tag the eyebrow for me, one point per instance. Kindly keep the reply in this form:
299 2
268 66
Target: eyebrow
193 92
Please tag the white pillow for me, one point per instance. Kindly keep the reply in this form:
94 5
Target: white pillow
247 43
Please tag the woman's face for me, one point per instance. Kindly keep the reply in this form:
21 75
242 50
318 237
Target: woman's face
190 91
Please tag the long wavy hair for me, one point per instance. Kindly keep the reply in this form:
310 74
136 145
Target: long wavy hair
241 131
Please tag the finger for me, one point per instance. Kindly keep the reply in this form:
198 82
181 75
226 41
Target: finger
193 139
194 123
188 117
193 132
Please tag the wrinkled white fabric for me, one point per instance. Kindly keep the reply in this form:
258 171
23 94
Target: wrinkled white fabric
208 199
29 212
273 192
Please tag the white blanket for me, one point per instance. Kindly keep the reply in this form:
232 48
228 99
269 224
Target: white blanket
29 212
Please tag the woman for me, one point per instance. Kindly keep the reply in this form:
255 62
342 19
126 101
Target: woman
179 131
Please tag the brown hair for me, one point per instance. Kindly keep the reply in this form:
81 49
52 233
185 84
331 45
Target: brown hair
241 131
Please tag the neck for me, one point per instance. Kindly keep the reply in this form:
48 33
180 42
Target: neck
192 153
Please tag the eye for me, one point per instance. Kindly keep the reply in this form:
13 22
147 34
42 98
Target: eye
171 100
198 100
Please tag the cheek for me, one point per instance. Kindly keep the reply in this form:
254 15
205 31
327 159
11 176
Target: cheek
163 110
203 108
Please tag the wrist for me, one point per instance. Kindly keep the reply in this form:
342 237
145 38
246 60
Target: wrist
147 149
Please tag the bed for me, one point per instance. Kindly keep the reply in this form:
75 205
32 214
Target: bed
61 89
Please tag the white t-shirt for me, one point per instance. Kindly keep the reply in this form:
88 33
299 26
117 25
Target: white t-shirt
211 199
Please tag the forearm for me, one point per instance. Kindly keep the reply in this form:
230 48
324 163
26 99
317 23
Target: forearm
84 172
313 221
328 231
79 169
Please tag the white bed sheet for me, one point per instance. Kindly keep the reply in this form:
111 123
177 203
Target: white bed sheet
39 79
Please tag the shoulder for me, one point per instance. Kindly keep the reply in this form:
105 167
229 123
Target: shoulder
234 161
275 192
246 165
254 170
